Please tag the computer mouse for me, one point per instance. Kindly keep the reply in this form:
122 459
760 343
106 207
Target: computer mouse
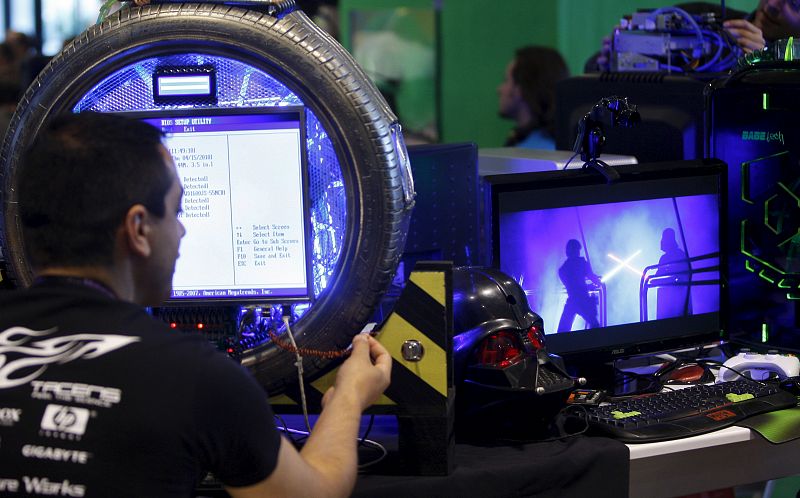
689 373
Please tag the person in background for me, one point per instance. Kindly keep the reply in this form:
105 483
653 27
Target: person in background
527 96
99 398
772 20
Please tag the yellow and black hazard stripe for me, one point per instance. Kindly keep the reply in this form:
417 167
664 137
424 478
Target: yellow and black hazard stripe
423 313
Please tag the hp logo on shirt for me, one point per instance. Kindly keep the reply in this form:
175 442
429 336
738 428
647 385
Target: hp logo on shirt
65 419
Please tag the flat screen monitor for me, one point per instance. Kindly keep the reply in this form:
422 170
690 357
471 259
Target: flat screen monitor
245 203
618 269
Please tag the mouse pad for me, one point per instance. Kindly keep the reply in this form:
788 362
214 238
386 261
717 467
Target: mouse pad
776 427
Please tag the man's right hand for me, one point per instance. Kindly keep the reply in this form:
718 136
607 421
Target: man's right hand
327 464
365 375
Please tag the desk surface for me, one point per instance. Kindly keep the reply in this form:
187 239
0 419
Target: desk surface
725 458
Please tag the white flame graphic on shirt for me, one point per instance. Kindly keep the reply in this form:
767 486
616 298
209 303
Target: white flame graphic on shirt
37 355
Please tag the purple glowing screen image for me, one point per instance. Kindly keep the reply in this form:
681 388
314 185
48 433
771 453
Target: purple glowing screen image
616 263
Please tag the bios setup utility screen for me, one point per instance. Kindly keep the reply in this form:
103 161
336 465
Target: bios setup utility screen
243 205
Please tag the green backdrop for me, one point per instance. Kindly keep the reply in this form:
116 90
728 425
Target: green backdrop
476 39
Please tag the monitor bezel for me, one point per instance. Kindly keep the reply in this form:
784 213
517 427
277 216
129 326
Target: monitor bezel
660 334
300 112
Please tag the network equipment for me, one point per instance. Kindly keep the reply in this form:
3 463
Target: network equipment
616 269
671 40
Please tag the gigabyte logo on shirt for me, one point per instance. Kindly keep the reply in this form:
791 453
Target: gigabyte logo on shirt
23 359
56 454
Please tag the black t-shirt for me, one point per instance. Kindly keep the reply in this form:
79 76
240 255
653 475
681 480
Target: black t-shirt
99 399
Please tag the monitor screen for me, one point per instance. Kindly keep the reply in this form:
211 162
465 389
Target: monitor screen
616 269
245 205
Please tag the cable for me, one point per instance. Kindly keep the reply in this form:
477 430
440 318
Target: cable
292 348
687 17
299 365
736 371
375 445
362 441
369 428
570 160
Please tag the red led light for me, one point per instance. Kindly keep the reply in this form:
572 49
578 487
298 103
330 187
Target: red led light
173 325
535 336
499 349
230 350
200 325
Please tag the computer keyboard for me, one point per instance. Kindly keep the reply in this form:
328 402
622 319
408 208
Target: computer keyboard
683 412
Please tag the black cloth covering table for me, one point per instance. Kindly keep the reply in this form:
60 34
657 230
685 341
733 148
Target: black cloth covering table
576 467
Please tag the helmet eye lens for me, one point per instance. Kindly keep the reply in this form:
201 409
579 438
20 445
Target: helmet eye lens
499 349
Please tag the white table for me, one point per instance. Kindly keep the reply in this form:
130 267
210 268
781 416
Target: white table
725 458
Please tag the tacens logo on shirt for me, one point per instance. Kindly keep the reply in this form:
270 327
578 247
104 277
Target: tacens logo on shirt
23 359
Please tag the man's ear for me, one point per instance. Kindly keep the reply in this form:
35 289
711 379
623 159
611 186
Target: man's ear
136 230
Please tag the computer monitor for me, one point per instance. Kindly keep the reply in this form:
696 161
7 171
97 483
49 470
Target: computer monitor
245 203
618 269
671 109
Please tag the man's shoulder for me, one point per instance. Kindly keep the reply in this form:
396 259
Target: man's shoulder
538 139
77 310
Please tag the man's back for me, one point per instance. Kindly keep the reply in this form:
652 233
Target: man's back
98 399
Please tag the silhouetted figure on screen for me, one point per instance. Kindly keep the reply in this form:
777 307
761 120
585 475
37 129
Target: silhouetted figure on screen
674 298
574 273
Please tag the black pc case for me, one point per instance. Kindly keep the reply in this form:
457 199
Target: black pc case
753 124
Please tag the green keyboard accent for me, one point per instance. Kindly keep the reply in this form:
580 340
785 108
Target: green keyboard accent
621 415
735 398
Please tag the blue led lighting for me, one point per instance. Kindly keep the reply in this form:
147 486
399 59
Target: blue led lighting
242 85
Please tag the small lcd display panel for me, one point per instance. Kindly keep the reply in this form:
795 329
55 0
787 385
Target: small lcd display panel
616 269
185 85
245 203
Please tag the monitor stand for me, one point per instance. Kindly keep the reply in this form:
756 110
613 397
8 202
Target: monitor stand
615 381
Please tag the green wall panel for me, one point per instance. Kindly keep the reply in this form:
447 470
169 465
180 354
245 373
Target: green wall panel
478 41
